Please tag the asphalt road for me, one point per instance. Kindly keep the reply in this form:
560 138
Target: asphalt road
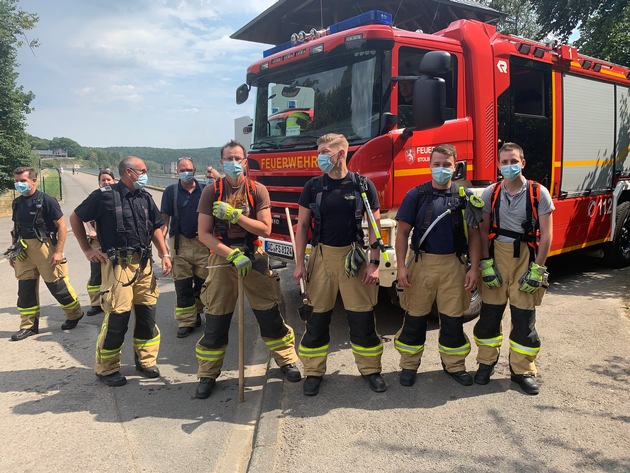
56 415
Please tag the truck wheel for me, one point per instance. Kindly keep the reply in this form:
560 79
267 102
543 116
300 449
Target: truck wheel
475 306
617 252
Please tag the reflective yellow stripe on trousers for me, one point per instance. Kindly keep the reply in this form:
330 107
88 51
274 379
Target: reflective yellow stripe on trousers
523 350
411 349
463 350
371 351
274 345
489 342
313 352
209 355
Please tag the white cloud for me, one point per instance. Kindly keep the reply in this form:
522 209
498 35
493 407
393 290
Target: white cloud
163 65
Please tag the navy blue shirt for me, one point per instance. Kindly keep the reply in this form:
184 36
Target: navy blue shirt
141 216
187 203
26 209
440 239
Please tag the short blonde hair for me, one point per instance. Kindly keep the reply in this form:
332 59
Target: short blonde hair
334 140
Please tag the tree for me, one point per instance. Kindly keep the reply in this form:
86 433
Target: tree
68 145
521 18
604 25
14 101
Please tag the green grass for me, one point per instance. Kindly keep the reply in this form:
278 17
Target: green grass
51 183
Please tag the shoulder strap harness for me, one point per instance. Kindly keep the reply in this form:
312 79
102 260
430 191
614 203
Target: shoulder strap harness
459 231
222 226
531 225
317 190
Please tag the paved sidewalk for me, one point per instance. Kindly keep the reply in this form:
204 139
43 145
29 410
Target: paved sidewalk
58 416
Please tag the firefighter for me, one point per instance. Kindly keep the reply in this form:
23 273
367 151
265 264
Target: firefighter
105 178
39 236
190 256
437 272
338 264
211 175
128 221
233 213
516 236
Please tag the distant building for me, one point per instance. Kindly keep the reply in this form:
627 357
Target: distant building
47 153
170 168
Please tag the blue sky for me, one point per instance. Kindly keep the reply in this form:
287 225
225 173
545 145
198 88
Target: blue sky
159 73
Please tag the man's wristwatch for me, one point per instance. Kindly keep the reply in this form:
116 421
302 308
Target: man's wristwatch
166 255
375 261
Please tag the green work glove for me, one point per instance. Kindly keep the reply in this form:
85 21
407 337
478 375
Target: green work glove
473 212
243 263
225 211
354 260
489 273
535 277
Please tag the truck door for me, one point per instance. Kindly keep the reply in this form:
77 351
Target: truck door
524 116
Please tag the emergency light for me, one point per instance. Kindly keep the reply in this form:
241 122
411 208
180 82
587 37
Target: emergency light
373 17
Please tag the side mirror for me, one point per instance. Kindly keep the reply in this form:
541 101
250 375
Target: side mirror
435 63
242 94
460 171
429 103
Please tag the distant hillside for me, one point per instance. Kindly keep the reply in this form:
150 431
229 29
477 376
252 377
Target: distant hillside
166 155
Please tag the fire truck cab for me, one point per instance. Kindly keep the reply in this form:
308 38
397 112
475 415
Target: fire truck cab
474 88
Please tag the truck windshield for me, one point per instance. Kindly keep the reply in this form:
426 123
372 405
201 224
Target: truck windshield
297 104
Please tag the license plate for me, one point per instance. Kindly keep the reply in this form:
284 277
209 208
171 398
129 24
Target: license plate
284 250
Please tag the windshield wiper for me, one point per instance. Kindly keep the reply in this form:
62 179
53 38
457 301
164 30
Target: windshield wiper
264 144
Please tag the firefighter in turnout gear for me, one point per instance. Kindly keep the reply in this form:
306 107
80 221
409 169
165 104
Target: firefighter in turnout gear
233 213
190 256
338 264
516 236
437 273
105 178
39 236
128 221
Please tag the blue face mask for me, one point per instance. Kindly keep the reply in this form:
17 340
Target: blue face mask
233 169
22 187
186 176
511 171
208 180
323 161
441 175
142 181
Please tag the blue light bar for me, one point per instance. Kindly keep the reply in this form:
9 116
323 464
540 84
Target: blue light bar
277 49
374 17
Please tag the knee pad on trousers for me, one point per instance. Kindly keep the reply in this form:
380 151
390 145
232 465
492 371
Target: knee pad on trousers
95 274
116 330
451 331
271 323
317 330
489 323
145 322
27 292
414 330
524 327
362 328
184 292
59 290
197 285
216 331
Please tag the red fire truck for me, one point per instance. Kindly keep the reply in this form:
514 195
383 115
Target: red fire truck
474 88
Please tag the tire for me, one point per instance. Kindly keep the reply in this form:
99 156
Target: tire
474 308
617 252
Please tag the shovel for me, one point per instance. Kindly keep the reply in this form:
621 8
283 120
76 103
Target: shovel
306 309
